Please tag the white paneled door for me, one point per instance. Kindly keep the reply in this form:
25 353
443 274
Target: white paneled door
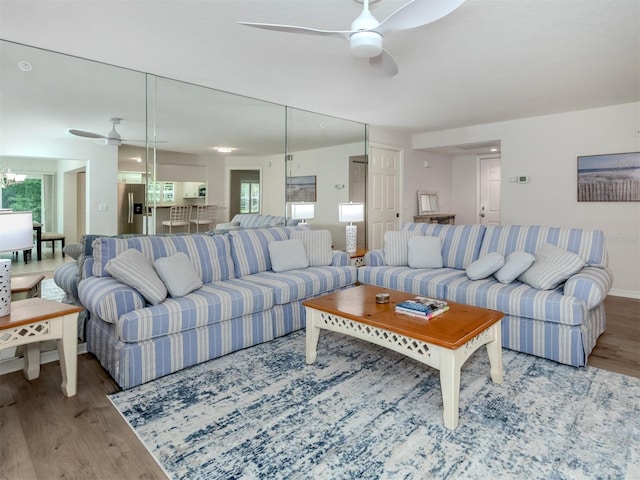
384 194
490 191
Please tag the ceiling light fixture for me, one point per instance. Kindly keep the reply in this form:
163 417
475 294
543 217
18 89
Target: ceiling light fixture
7 178
25 66
224 149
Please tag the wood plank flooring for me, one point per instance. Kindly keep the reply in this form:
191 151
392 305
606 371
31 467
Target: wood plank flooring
44 435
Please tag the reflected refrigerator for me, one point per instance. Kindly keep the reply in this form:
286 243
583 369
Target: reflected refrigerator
131 207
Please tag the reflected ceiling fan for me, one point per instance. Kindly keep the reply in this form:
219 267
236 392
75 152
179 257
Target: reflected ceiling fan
111 138
366 34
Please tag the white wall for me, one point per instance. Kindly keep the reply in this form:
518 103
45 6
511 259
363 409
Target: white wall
546 148
465 188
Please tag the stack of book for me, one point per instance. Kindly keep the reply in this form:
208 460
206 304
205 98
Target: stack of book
423 307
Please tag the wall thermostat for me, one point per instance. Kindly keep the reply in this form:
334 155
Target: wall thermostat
523 179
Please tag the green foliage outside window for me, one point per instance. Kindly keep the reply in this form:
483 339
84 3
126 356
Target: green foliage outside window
24 196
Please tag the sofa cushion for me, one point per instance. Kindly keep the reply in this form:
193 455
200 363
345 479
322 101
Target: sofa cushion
213 303
460 243
485 266
426 282
396 248
587 244
302 284
551 267
133 268
425 252
178 274
210 255
287 255
515 264
317 244
519 300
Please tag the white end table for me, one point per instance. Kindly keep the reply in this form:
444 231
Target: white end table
34 320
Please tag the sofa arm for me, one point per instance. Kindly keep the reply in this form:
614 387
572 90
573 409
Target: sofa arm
107 298
67 277
374 258
591 285
339 259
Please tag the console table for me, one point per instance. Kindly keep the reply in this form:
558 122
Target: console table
449 218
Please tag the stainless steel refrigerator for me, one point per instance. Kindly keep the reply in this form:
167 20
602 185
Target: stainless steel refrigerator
131 207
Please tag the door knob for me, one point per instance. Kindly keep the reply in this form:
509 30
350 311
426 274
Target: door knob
482 212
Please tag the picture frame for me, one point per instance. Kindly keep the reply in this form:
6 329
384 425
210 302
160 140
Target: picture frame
301 189
611 177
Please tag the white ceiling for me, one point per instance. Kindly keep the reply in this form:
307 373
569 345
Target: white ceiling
488 61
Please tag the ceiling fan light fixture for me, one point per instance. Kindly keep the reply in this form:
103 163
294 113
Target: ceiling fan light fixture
366 44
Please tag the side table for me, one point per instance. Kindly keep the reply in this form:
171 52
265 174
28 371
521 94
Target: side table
356 259
34 320
27 286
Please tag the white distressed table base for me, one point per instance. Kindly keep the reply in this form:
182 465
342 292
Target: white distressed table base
62 329
448 361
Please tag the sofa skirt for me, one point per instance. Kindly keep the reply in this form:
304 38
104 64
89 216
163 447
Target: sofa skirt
568 344
132 364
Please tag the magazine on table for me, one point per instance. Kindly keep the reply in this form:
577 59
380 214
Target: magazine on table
422 307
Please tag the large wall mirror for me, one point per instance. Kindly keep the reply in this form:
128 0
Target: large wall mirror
174 136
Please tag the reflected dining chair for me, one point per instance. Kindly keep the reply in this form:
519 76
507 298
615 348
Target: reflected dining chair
205 215
179 216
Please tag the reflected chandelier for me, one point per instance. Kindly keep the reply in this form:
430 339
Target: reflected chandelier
7 177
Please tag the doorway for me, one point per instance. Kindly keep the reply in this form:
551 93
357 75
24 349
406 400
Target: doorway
383 197
244 192
489 201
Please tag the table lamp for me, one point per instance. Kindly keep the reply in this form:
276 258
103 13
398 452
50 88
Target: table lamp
16 233
351 212
302 211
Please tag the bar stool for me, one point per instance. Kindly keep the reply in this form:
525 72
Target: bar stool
205 215
178 217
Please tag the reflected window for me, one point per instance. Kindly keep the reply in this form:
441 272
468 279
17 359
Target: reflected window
24 196
161 192
249 197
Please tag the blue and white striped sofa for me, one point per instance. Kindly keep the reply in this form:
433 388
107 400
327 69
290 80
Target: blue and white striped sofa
242 302
561 324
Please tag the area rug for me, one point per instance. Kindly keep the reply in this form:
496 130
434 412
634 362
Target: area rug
362 411
51 291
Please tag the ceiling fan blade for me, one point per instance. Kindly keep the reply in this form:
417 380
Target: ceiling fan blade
144 141
384 64
302 30
417 13
82 133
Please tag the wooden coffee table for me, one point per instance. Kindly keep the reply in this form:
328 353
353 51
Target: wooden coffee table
444 342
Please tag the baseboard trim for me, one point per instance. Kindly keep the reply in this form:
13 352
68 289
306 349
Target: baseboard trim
616 292
15 364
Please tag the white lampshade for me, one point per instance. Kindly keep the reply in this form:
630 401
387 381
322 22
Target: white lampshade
302 211
351 212
16 231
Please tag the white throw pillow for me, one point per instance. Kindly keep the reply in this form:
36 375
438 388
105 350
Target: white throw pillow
425 252
317 244
287 255
133 268
396 248
552 266
515 265
485 266
178 274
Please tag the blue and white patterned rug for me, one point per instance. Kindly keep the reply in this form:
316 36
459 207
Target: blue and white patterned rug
362 411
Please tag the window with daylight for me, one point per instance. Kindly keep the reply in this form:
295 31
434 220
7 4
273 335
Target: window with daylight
249 197
36 194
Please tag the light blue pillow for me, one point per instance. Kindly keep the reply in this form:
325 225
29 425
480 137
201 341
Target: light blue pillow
552 266
485 266
317 244
287 255
425 252
515 265
178 274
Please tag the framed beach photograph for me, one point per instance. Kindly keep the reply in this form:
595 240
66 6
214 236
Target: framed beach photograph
301 189
609 178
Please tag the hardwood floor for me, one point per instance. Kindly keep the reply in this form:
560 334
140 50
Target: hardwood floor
45 435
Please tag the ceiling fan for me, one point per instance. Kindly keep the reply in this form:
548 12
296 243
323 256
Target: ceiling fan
111 138
366 34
